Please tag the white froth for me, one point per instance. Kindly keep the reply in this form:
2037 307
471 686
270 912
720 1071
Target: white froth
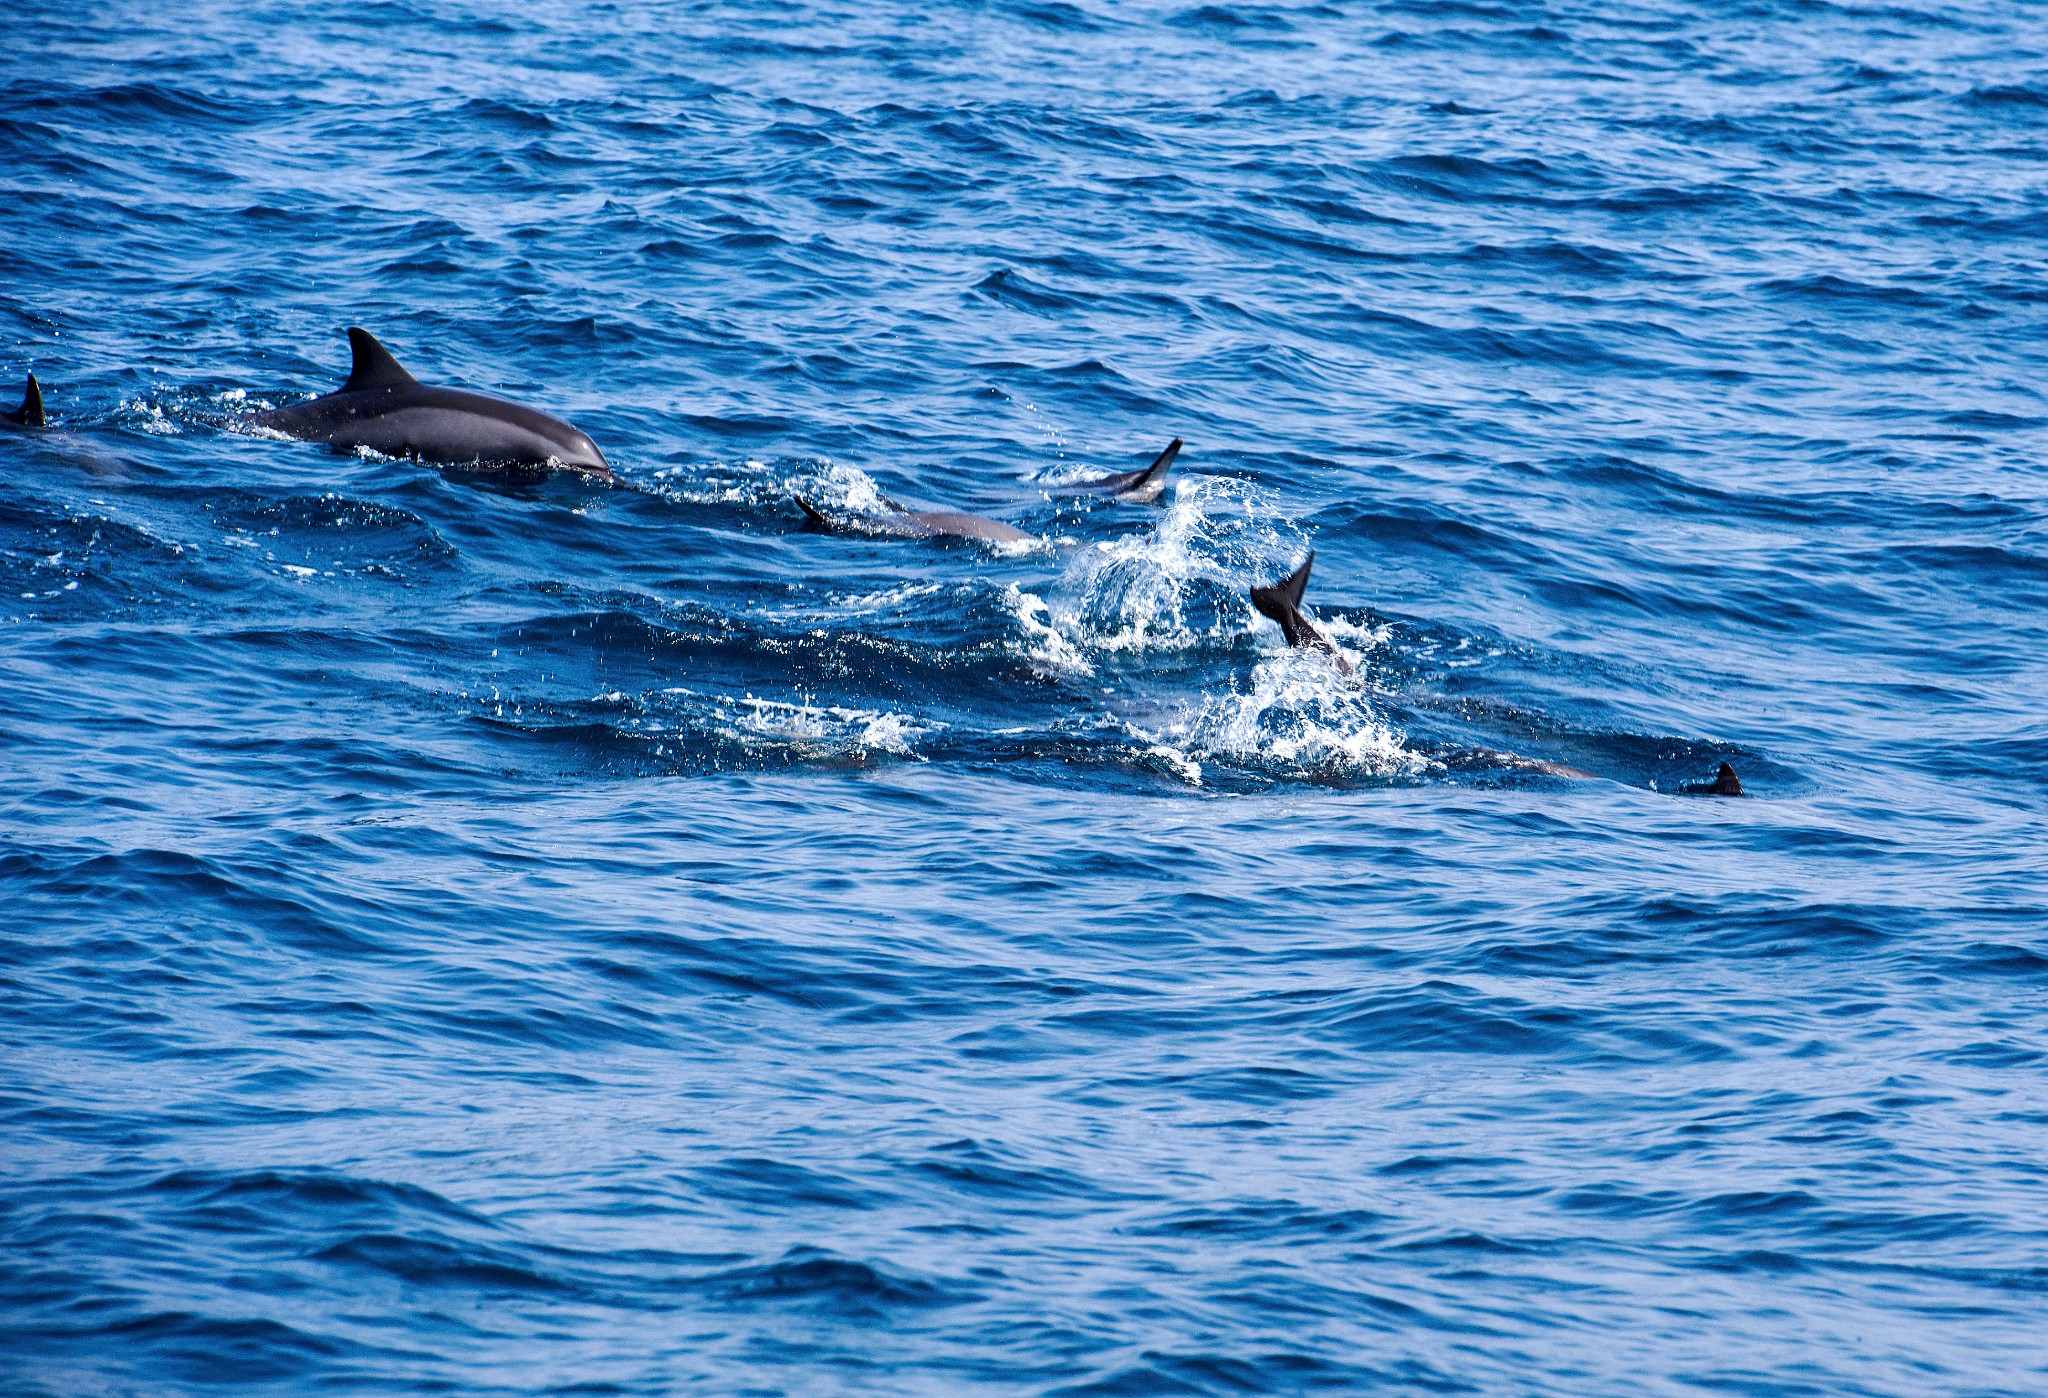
1182 584
813 731
1299 716
1043 642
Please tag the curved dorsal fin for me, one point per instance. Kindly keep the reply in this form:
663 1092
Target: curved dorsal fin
1159 466
373 367
31 414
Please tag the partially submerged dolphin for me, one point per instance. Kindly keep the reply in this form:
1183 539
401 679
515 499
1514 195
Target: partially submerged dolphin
30 413
1725 783
384 408
1282 602
1140 487
923 524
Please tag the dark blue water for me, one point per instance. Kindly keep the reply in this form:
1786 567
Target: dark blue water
477 936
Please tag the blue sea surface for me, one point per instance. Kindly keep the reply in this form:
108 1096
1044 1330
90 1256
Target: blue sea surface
483 935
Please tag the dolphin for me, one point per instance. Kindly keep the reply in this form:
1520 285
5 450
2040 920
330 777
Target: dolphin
1725 783
386 409
1282 602
30 413
923 524
1138 487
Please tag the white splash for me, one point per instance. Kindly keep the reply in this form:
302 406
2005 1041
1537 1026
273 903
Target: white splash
1298 716
1043 643
1183 584
814 731
150 417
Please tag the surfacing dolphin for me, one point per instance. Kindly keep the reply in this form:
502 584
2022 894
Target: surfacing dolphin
921 524
1282 602
1139 487
384 408
30 413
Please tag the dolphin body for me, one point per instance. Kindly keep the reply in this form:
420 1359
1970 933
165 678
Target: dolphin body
1282 602
384 408
924 524
30 413
1140 487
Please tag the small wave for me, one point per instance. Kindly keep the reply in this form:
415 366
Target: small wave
807 1274
2023 96
1014 289
800 731
756 483
169 412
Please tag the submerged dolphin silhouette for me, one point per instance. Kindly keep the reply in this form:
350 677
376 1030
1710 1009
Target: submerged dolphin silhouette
1282 602
1725 783
1140 487
386 409
30 413
922 524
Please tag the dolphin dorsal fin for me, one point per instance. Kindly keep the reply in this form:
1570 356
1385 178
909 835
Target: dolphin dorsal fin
1726 783
373 367
31 414
1160 463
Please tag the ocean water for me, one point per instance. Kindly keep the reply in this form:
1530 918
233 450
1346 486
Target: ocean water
495 937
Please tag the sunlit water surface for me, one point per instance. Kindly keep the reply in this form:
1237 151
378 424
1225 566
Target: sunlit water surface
490 937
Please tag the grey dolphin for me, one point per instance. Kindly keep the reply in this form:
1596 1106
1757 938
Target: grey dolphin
1725 783
386 409
923 524
30 413
1282 602
1139 487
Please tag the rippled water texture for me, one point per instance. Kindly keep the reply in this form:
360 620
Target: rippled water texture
475 935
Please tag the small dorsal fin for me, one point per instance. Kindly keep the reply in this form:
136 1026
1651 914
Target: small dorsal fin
1726 783
31 413
373 367
815 515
